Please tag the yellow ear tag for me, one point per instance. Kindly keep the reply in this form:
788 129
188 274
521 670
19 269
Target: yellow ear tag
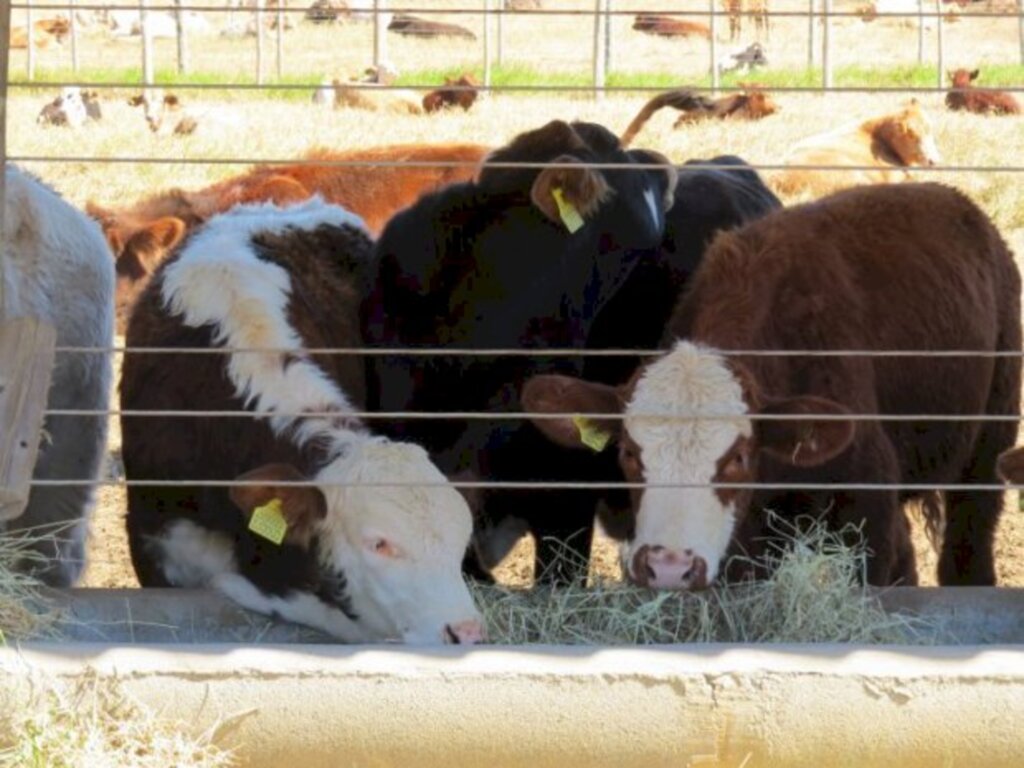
268 521
595 439
567 211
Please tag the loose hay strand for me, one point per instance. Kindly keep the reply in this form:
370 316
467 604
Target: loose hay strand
25 610
814 595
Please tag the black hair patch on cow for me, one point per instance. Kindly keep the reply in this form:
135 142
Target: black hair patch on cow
332 588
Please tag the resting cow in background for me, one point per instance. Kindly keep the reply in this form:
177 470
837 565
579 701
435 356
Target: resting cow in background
670 26
351 557
881 268
524 257
406 24
752 104
141 236
458 92
964 96
56 267
888 145
71 109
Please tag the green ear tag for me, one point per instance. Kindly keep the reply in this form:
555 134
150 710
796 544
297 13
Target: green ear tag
570 216
594 438
268 521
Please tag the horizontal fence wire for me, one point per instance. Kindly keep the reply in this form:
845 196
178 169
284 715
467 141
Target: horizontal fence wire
545 416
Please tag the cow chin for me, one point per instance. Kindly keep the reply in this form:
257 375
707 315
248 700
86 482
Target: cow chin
678 545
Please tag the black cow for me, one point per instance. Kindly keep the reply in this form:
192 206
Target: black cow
492 264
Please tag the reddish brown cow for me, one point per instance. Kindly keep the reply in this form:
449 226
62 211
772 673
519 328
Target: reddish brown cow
141 236
669 26
964 96
458 92
887 267
752 104
45 31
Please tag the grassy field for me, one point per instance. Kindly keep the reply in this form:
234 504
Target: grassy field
119 160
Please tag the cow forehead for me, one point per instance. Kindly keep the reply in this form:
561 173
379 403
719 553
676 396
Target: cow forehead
689 380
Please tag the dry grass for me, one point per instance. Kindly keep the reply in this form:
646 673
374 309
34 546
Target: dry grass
813 596
94 724
25 610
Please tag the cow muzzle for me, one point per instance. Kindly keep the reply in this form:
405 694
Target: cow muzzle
468 632
662 568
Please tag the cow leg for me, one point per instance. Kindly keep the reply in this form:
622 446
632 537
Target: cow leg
972 516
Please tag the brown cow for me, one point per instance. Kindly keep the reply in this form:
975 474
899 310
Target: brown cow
893 267
45 32
670 26
458 92
879 149
142 235
405 24
965 96
752 104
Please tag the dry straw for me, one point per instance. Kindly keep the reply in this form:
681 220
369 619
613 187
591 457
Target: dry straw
25 610
814 596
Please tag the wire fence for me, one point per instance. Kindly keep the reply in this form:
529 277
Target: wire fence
604 56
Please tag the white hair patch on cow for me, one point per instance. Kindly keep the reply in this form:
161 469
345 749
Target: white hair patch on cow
688 380
193 555
219 280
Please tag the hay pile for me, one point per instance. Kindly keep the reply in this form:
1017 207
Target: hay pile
814 596
25 610
95 725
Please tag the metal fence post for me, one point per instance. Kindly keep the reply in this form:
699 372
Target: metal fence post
487 43
1020 28
939 42
920 31
259 42
826 44
179 22
30 44
811 30
379 42
147 48
713 46
73 31
280 39
598 53
499 54
608 36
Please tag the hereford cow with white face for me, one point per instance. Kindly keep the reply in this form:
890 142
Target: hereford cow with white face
913 267
369 544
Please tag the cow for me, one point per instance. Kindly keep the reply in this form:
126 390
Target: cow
879 149
916 267
375 97
56 267
748 58
142 235
523 257
369 549
965 97
457 92
670 26
72 108
164 111
45 31
752 104
406 24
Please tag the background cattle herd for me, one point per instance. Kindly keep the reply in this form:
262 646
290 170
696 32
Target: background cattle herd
271 454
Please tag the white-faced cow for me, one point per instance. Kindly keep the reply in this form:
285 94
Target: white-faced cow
56 266
371 550
912 267
563 256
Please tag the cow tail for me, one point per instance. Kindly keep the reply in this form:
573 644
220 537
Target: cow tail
682 99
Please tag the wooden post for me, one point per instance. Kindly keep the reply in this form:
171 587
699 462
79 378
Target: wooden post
598 61
73 31
713 46
920 31
147 47
259 42
179 23
5 61
26 365
940 58
30 43
280 40
811 34
487 44
380 46
826 44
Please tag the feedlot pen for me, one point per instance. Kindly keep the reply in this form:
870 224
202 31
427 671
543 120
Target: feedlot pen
568 59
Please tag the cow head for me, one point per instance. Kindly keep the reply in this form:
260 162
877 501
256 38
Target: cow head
389 557
139 243
962 78
908 135
683 533
156 105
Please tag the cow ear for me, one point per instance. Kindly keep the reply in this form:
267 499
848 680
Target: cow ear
555 394
975 73
569 195
170 100
804 442
136 101
147 247
103 215
300 506
1011 465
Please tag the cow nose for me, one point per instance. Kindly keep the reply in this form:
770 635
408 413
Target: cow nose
662 568
468 632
